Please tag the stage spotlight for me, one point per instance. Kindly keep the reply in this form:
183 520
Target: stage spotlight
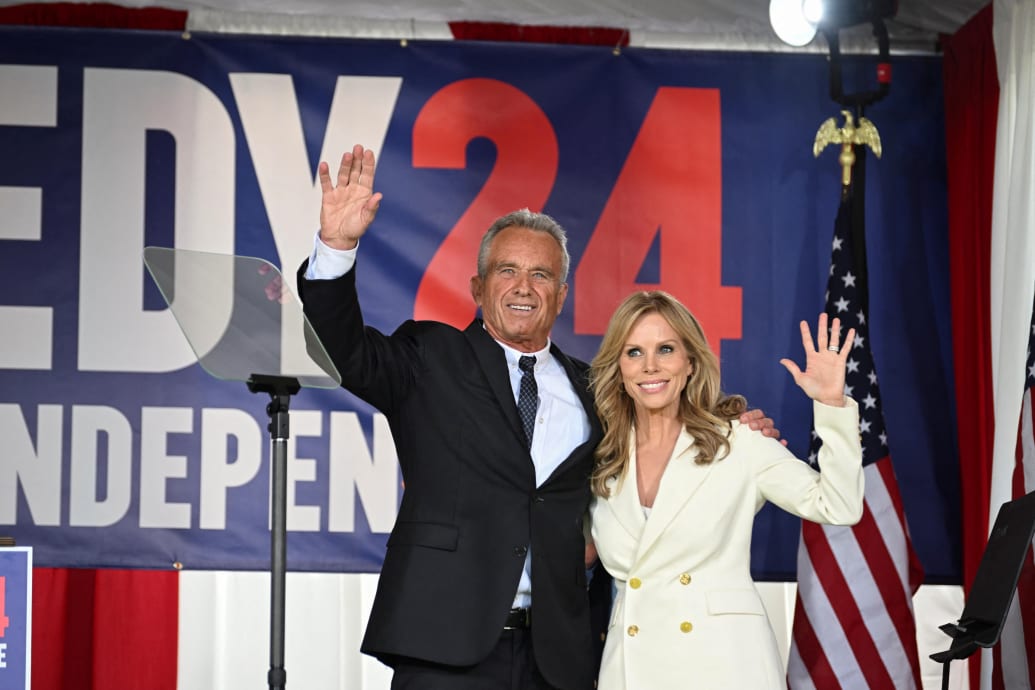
789 22
796 21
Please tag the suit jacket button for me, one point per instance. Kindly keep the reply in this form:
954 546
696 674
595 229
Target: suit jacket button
684 579
686 626
520 551
635 583
633 629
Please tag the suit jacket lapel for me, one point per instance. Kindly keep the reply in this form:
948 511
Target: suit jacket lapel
680 481
493 363
625 500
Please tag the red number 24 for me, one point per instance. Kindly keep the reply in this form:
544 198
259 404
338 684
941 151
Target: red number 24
669 188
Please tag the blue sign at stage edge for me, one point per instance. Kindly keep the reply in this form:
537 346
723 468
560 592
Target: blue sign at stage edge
15 617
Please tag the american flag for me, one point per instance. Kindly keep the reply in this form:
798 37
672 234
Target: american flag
1010 669
853 618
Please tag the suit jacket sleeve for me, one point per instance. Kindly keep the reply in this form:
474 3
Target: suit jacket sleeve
377 368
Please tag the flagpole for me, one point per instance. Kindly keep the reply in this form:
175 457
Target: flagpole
858 193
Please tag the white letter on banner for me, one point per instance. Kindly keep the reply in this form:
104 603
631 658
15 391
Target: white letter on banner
119 108
37 469
360 112
353 470
156 423
302 518
217 474
30 100
84 508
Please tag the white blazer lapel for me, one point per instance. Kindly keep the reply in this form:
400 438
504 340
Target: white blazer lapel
680 481
624 500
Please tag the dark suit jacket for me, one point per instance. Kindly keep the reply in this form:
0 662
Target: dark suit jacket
471 507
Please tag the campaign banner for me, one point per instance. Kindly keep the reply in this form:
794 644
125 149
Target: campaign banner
15 617
692 172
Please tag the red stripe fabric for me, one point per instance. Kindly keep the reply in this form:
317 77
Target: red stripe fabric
568 35
93 15
971 109
104 629
971 92
62 615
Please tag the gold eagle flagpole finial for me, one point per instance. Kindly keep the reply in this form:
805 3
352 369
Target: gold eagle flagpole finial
847 136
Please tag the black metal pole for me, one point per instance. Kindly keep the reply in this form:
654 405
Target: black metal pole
858 247
280 390
278 542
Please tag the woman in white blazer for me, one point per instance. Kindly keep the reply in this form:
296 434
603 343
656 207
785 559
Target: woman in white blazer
677 484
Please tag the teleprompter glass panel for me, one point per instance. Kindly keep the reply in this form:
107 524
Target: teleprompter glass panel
240 316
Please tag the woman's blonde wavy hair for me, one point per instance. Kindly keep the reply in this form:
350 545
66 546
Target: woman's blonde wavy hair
705 410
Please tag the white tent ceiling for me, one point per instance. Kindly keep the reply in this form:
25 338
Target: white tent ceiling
707 24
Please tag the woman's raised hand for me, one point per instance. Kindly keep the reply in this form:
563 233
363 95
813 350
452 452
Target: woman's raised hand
824 376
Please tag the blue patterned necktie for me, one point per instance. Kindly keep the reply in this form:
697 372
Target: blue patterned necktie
528 396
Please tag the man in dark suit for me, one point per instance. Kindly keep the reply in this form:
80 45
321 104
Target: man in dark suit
484 580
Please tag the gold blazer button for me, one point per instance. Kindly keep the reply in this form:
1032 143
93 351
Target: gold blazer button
686 626
633 630
635 583
684 579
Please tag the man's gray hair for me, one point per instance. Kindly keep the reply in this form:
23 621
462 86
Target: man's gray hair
523 218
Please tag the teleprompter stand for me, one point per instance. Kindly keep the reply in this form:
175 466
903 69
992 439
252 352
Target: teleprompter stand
280 390
988 603
243 324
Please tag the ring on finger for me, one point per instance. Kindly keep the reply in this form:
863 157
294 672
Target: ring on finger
833 348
